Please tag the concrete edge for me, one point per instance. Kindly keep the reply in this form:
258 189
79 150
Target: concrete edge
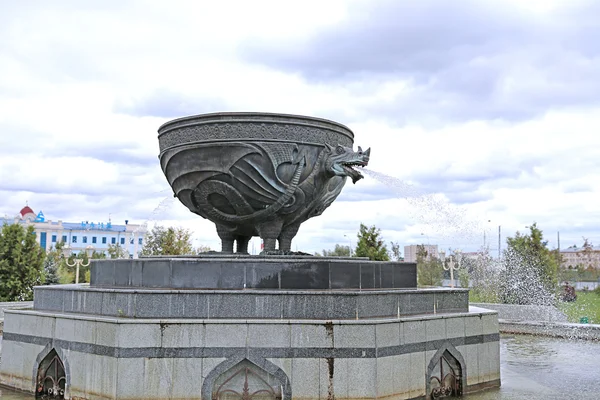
551 329
373 321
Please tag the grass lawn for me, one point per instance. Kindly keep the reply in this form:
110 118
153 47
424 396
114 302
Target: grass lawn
586 305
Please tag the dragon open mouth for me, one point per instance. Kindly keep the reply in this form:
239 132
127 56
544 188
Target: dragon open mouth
351 172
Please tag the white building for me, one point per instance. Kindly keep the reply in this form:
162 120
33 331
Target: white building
81 236
410 252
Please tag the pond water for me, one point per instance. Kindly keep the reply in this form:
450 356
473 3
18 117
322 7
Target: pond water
537 368
532 368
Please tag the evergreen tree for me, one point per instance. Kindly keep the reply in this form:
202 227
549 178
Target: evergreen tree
21 263
370 244
52 264
168 241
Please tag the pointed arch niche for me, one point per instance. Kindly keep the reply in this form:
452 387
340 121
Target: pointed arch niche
446 374
51 377
247 381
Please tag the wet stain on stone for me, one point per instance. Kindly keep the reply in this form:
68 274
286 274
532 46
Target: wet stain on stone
163 326
329 330
330 393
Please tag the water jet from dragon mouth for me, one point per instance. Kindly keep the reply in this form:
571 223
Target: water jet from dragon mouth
434 210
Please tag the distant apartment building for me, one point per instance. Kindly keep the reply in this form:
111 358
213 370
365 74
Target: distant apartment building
410 252
573 257
81 236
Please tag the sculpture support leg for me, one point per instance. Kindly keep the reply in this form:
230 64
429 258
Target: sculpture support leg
287 234
269 232
242 244
227 239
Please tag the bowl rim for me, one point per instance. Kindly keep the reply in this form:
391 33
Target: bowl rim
241 114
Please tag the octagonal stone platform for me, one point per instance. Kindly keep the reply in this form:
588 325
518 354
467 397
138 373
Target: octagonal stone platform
302 327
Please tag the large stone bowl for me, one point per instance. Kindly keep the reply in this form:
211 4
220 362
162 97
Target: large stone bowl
257 174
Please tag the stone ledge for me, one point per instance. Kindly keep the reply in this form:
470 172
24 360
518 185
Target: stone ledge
249 304
518 312
559 330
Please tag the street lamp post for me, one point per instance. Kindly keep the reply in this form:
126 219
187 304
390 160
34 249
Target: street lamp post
350 245
452 265
78 262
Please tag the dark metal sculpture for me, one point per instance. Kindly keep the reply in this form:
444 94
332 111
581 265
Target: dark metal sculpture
258 174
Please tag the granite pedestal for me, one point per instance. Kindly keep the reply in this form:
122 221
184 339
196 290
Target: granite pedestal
128 339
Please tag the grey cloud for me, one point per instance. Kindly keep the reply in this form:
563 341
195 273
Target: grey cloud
129 156
577 188
169 104
462 59
343 225
123 188
397 222
400 37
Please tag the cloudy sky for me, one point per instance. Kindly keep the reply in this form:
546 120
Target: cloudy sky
476 110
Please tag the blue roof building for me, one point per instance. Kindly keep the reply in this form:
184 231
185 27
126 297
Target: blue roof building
81 236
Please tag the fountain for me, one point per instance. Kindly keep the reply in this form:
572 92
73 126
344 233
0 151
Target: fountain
280 325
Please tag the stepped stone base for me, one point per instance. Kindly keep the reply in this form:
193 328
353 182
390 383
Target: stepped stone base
123 358
286 327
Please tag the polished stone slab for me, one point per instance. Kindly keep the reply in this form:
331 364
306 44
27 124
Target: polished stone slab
249 303
253 272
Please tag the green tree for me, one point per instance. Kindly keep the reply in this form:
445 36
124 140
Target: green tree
338 251
21 263
115 251
370 244
484 275
531 269
203 249
395 253
168 241
430 270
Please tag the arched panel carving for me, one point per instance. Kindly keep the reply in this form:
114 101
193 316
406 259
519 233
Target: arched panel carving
246 381
242 378
446 374
51 380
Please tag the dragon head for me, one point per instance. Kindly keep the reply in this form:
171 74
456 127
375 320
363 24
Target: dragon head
342 160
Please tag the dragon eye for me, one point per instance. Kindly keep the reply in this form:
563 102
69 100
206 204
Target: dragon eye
340 150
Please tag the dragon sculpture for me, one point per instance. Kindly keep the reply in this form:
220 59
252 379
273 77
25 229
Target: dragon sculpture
267 189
